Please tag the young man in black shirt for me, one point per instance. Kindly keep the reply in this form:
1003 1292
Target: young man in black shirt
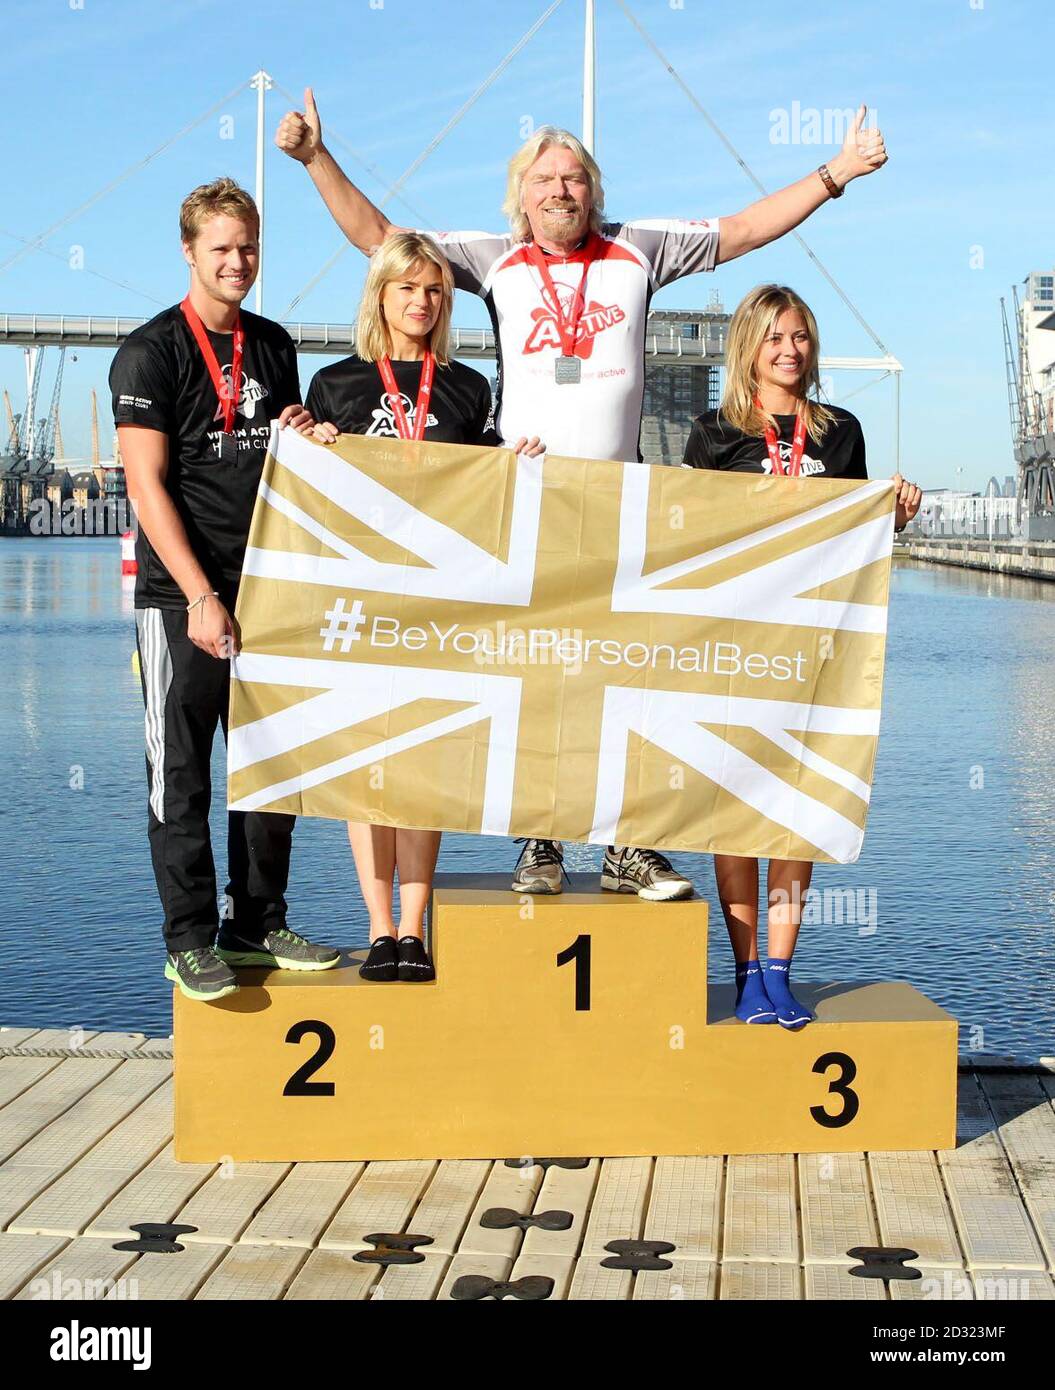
194 393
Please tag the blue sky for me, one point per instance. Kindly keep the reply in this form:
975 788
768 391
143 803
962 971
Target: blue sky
961 88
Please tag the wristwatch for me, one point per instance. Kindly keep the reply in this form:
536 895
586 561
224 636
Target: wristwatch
826 178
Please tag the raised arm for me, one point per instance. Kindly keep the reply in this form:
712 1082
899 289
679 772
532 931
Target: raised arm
300 136
863 152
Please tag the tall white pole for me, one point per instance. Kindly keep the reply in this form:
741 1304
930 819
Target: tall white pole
897 422
261 81
588 56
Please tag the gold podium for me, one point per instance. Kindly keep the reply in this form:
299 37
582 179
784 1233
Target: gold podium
569 1026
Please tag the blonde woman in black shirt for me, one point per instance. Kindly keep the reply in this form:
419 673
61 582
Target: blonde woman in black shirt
402 382
772 420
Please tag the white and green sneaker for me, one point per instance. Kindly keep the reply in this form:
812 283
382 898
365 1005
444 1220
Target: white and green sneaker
200 974
645 872
280 949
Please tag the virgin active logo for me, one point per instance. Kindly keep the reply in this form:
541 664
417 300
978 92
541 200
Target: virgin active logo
383 420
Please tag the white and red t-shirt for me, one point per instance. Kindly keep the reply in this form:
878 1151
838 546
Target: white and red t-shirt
600 415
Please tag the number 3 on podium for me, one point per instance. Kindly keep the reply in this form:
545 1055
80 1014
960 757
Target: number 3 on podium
579 952
839 1087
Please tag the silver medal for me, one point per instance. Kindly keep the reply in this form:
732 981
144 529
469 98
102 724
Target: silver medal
567 370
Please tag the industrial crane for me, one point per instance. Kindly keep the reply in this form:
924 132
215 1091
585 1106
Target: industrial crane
32 443
49 426
1036 468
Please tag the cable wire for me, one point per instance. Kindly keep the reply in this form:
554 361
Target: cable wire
372 169
61 256
750 173
36 242
433 144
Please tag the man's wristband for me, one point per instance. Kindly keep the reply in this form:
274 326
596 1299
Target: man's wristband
826 178
209 593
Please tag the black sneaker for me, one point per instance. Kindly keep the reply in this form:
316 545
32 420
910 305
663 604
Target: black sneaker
200 973
281 949
414 962
645 872
382 964
539 867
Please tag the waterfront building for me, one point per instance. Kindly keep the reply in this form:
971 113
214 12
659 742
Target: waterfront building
947 512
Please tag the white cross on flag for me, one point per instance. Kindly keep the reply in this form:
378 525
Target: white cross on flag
456 638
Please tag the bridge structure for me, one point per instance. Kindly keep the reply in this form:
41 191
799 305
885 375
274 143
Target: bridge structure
665 339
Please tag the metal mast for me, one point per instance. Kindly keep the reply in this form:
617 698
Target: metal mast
589 55
261 82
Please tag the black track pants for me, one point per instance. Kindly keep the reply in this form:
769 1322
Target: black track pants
186 693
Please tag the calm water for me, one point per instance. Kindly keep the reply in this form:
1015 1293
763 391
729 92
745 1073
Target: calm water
958 853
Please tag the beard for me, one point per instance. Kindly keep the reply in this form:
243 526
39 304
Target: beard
562 228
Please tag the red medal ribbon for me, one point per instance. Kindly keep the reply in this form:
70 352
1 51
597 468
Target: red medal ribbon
797 446
568 328
227 393
421 406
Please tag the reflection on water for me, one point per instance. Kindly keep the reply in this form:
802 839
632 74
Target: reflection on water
958 861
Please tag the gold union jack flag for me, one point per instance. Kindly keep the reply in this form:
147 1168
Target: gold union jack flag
461 639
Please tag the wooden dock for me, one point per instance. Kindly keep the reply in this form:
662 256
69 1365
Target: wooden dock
85 1155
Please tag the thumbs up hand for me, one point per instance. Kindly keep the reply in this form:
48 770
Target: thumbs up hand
299 133
863 151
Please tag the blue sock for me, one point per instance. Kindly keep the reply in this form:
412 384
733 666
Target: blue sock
790 1013
752 1001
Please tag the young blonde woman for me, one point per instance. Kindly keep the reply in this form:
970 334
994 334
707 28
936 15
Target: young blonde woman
402 382
771 420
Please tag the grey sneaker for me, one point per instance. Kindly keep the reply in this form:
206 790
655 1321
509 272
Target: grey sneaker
280 949
539 867
645 872
200 973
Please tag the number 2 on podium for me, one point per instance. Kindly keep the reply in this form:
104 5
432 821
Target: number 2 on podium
299 1083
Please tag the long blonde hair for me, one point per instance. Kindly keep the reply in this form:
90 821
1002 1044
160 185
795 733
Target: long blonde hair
752 322
529 151
397 256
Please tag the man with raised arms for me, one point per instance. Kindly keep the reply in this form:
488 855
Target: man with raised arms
568 294
195 392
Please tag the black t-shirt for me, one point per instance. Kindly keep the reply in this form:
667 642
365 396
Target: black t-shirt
159 380
351 395
714 443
